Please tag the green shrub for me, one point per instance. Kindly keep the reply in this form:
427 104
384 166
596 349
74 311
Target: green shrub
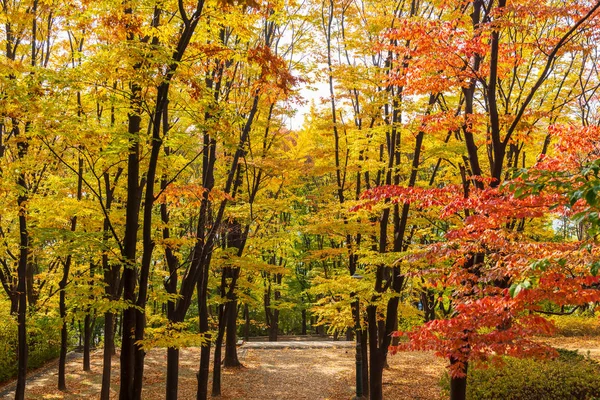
8 348
575 325
43 341
43 344
570 376
409 317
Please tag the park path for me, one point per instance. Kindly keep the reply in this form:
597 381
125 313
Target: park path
318 369
272 370
294 368
294 344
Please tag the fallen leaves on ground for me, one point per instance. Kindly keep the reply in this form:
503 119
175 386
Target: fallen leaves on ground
270 374
278 374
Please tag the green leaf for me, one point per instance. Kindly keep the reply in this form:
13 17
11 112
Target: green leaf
590 197
516 288
594 268
541 265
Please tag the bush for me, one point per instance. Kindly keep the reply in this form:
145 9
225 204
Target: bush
574 325
570 376
409 317
8 348
43 340
43 344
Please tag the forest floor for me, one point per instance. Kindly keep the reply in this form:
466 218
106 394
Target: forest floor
323 371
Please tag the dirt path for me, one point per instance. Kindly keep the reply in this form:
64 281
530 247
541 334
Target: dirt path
279 374
585 345
319 370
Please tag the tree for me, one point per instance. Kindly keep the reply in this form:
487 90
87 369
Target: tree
494 73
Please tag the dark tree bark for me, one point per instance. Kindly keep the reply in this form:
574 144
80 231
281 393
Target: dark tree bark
87 341
132 357
216 382
21 276
130 244
107 355
62 385
112 284
231 357
458 386
202 392
246 323
272 312
235 239
22 270
303 331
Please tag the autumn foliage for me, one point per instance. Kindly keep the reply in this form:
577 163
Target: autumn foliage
498 275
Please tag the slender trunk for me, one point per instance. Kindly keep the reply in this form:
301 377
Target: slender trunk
231 358
87 338
349 335
64 333
62 359
14 304
22 199
131 230
111 280
274 327
107 355
202 393
365 361
118 326
171 287
246 323
160 112
216 383
111 293
303 322
21 277
22 311
223 310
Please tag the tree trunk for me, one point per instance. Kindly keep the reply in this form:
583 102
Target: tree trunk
21 316
107 355
22 270
216 383
349 335
365 361
246 323
231 357
147 229
376 375
14 305
62 384
458 386
202 393
130 241
274 327
22 310
223 310
87 338
172 373
303 322
64 331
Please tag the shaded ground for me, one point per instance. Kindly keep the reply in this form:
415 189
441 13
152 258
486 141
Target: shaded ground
279 374
293 369
298 344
